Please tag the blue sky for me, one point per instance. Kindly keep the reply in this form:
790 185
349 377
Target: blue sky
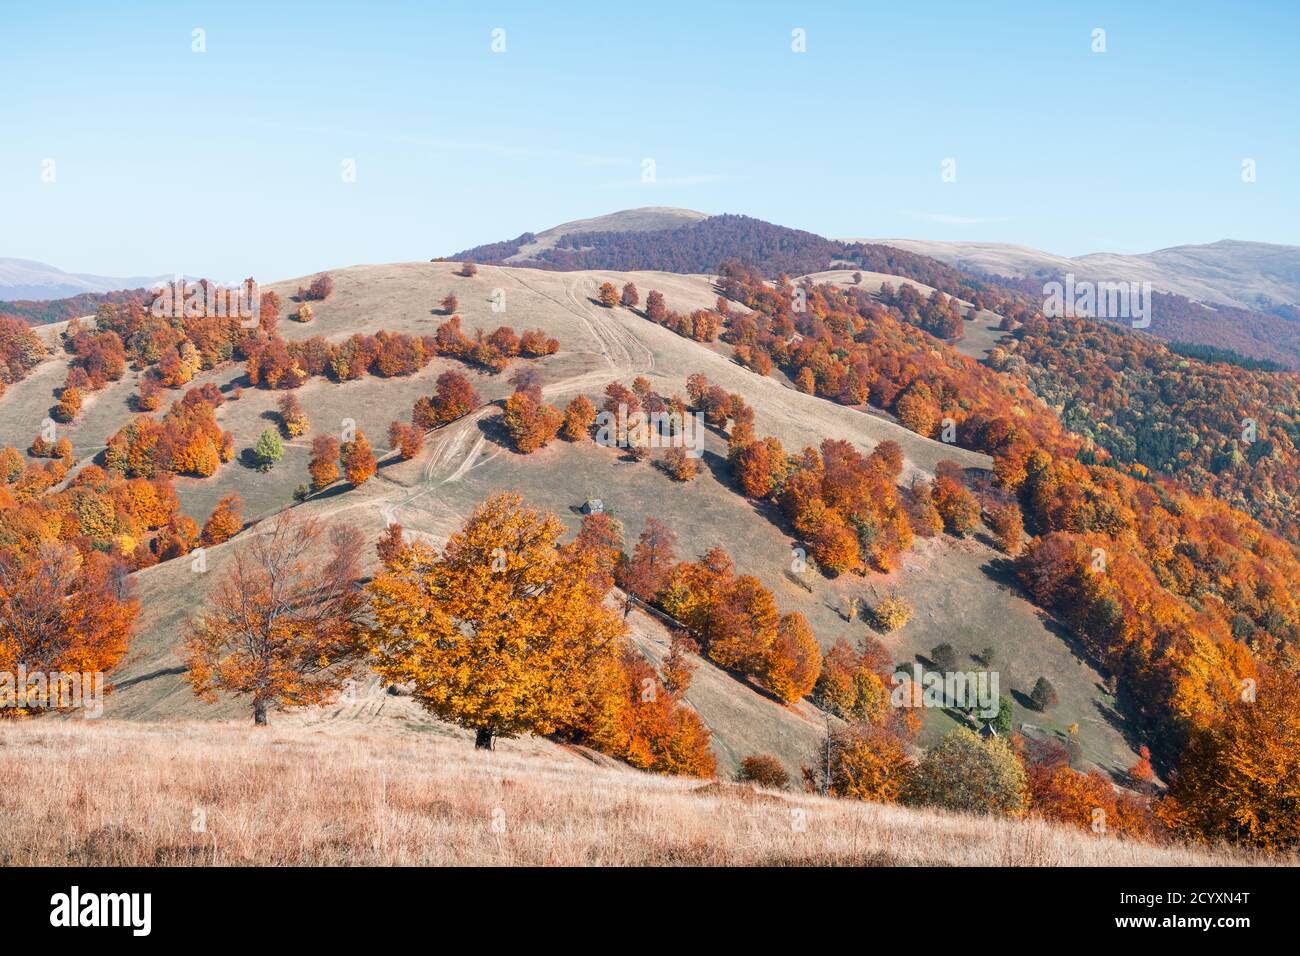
229 162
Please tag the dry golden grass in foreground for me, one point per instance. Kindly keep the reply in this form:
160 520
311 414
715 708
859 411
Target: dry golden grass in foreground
101 793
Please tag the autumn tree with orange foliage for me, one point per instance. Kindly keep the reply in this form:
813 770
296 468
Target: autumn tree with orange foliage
531 423
324 464
737 623
679 464
357 459
843 503
655 308
187 441
1008 528
600 538
1239 778
535 343
60 611
225 522
499 632
390 544
69 405
292 418
861 761
754 468
180 536
407 439
653 559
854 683
792 664
579 415
608 295
763 770
454 397
632 715
279 627
321 287
679 665
956 505
1088 801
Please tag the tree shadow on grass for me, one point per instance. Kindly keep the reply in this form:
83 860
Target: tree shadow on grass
753 685
1125 725
718 467
493 428
1024 701
249 459
152 675
1002 572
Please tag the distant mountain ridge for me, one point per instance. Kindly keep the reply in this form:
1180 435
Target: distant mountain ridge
1247 275
26 279
1240 296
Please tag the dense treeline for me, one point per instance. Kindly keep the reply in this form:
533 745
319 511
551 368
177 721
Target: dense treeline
21 350
1210 353
890 260
275 363
699 247
493 253
1270 337
844 345
66 600
1220 429
45 312
174 350
186 441
1186 601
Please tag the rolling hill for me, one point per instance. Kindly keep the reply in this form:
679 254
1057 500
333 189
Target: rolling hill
1242 296
667 240
1247 275
971 600
648 219
961 586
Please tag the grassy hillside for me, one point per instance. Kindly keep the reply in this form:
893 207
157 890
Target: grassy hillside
960 586
307 793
